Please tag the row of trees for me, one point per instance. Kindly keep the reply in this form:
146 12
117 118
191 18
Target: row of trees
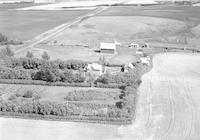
5 41
45 55
35 63
129 78
47 74
44 108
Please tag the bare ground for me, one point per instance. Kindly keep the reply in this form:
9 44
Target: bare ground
168 109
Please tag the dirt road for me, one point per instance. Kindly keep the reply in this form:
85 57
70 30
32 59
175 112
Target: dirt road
168 109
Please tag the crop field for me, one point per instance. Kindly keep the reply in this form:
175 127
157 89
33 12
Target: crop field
168 108
25 25
61 94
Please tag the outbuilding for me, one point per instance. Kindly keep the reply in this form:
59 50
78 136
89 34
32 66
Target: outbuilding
107 47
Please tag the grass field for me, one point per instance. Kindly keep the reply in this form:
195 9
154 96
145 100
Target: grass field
58 94
162 11
25 25
8 6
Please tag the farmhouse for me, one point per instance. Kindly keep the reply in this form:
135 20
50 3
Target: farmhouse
107 47
145 60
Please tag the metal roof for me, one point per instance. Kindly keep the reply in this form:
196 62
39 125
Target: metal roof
108 46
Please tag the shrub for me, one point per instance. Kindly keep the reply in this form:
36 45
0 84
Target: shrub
12 97
45 56
28 94
35 63
7 51
29 54
120 104
3 38
47 73
128 78
6 73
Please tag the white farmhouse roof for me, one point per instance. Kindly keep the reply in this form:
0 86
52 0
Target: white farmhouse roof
144 60
95 67
108 46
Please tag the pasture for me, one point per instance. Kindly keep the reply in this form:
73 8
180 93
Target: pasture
60 94
25 25
9 6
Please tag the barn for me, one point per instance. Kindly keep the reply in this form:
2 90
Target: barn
107 47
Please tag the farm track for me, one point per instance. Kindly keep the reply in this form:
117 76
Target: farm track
150 98
190 132
53 32
172 112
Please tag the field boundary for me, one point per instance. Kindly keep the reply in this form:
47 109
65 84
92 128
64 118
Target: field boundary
59 84
72 118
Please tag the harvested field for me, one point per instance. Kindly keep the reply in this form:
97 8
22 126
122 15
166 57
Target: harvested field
28 24
182 13
111 28
58 94
168 108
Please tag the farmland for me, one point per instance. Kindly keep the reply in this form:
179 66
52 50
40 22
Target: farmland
53 76
58 94
160 26
168 108
28 24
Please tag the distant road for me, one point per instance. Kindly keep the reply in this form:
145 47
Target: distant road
52 32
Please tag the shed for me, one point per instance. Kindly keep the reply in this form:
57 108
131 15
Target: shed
107 47
145 60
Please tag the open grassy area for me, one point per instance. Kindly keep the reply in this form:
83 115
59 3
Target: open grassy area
62 94
8 6
162 11
25 25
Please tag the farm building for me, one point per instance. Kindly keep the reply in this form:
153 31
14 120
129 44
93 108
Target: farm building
95 67
139 45
145 60
107 47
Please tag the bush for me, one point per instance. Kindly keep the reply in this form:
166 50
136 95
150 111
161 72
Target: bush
47 73
3 38
28 94
45 56
35 63
128 78
6 73
29 54
12 97
7 51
